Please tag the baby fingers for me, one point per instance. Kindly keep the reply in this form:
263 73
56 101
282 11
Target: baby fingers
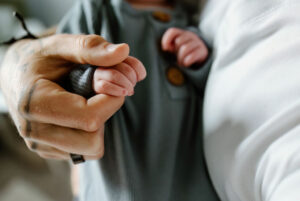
169 37
108 88
111 81
191 52
137 66
197 56
185 50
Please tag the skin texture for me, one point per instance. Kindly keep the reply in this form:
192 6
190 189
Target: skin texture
119 80
52 121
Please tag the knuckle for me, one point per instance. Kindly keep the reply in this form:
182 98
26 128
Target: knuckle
22 109
88 41
26 131
115 75
184 48
178 41
32 146
81 41
91 124
25 99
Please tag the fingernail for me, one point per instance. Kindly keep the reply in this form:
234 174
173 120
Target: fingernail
112 47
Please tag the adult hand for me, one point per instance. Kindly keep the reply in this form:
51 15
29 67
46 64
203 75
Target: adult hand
52 121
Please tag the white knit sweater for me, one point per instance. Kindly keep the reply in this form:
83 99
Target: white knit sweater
252 104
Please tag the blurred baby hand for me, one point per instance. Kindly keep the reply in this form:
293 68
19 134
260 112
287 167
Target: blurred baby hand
119 80
187 46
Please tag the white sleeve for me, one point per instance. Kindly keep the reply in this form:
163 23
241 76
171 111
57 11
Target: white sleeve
252 101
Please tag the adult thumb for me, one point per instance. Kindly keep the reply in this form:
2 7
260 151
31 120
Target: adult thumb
84 49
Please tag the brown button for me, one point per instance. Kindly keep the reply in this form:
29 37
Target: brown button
175 76
161 16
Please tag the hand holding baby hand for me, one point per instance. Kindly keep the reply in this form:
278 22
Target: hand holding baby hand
187 45
119 80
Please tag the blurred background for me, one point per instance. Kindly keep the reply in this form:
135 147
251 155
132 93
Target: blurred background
23 175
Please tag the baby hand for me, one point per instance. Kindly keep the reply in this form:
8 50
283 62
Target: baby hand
187 45
120 79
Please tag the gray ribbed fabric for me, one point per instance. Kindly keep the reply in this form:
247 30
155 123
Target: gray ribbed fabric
153 143
81 80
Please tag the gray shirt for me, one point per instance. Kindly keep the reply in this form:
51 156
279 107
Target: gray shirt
153 144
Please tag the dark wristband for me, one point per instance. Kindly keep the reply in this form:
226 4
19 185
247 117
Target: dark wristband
77 159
